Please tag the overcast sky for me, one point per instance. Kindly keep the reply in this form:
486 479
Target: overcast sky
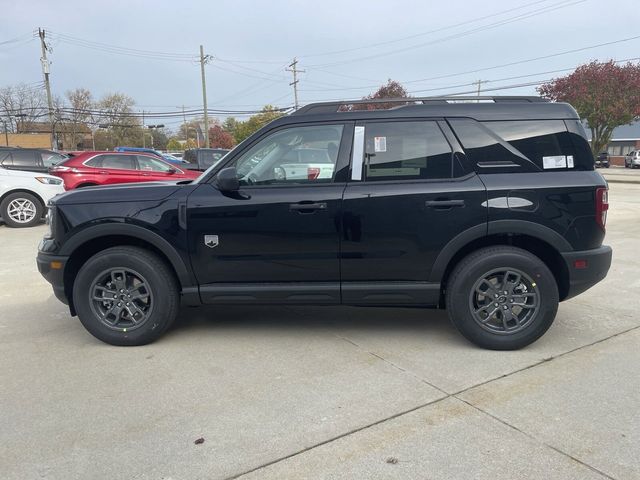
346 47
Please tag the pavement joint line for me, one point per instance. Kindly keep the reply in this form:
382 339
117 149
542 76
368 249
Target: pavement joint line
528 435
333 439
447 396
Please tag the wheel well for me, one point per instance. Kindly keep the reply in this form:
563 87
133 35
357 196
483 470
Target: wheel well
24 190
85 251
541 249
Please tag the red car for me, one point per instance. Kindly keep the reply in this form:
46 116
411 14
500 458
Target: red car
105 168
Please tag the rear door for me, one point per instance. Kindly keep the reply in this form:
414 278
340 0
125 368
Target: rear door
408 197
118 168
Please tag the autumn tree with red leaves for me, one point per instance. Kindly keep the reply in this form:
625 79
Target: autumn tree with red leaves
605 94
219 138
392 89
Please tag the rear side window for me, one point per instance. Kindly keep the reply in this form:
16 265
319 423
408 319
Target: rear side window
51 158
23 159
190 156
545 143
208 158
406 151
122 162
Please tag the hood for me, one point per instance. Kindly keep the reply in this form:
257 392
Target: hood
122 192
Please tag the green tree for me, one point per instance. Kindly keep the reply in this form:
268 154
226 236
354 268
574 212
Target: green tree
607 95
174 144
244 129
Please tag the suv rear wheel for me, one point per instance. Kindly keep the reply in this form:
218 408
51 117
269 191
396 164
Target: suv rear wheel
502 298
126 296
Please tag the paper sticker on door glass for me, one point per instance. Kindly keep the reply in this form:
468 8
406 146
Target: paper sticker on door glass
380 144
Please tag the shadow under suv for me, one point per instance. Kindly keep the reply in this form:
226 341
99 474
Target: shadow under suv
489 207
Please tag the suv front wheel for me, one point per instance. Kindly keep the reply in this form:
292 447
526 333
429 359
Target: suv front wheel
126 296
502 297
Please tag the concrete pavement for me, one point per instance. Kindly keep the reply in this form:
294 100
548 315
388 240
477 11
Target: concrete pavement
322 392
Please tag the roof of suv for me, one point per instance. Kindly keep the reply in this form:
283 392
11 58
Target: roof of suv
479 108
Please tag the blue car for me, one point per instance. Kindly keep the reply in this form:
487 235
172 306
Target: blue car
164 156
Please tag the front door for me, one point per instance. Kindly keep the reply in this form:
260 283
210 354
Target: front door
118 168
277 239
409 195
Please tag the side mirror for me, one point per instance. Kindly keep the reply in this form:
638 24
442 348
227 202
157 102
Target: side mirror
227 180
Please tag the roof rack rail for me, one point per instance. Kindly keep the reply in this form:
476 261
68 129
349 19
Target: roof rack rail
332 107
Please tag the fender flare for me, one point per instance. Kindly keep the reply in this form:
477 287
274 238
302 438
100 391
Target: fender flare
135 231
477 232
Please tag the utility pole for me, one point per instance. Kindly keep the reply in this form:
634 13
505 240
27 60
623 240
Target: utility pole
186 130
295 71
45 71
479 83
144 145
203 60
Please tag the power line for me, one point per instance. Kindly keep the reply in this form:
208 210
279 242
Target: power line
499 23
429 32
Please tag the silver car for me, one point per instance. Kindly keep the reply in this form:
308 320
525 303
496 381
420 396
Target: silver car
632 159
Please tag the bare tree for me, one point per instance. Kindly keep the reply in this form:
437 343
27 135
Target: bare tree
22 104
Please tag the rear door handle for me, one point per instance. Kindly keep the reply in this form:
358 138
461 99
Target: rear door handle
442 204
303 207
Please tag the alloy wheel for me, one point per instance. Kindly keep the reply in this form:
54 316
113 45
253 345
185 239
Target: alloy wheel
21 210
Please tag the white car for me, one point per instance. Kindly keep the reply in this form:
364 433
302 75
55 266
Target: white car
24 196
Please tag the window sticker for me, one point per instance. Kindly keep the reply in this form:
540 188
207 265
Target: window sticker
555 161
569 161
379 144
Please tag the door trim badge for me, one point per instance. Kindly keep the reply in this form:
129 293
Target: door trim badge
211 241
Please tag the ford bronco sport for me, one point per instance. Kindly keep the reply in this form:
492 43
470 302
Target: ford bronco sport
489 207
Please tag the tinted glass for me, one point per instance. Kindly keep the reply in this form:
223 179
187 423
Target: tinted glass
306 155
51 158
483 147
208 158
26 159
190 156
546 143
94 162
149 164
406 151
123 162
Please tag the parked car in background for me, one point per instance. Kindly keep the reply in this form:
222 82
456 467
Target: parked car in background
24 196
104 168
29 159
602 160
164 156
203 158
632 159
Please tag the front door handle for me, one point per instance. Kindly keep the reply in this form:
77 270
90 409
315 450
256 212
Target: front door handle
304 207
444 204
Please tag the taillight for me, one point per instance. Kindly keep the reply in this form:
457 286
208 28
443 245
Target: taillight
602 205
313 173
62 168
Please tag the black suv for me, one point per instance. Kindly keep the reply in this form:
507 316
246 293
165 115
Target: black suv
491 209
29 159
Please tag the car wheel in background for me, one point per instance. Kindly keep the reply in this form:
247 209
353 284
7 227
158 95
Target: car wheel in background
21 209
502 297
126 296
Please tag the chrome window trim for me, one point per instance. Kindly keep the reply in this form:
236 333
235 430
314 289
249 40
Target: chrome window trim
357 156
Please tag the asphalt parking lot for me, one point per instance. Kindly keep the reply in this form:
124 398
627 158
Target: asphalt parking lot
322 392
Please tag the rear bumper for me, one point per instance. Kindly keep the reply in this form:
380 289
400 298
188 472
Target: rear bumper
55 276
596 265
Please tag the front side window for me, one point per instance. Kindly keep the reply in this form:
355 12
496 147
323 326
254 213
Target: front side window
148 164
406 151
51 158
299 155
121 162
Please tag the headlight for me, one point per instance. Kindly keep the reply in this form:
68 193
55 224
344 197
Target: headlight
49 219
49 180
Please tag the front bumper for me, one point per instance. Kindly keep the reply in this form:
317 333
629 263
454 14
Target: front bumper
586 268
51 267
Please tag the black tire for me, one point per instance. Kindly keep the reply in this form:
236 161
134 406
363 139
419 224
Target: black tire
21 197
164 299
470 270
